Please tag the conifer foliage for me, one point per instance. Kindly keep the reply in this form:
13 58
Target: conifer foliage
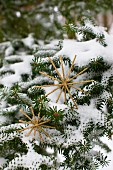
59 108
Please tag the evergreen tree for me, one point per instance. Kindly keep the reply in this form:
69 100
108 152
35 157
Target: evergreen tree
21 17
58 109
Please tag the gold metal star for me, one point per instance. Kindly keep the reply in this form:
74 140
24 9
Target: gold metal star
64 82
37 124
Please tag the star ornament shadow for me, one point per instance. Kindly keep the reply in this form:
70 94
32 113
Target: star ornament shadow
36 124
64 81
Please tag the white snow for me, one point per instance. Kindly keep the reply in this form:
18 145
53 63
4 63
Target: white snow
109 142
85 51
18 68
9 51
29 41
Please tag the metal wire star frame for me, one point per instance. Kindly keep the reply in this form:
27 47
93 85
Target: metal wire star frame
37 124
65 82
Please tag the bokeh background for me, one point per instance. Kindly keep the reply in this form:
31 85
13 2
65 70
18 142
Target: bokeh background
46 18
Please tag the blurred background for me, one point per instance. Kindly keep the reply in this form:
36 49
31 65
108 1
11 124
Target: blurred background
46 18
